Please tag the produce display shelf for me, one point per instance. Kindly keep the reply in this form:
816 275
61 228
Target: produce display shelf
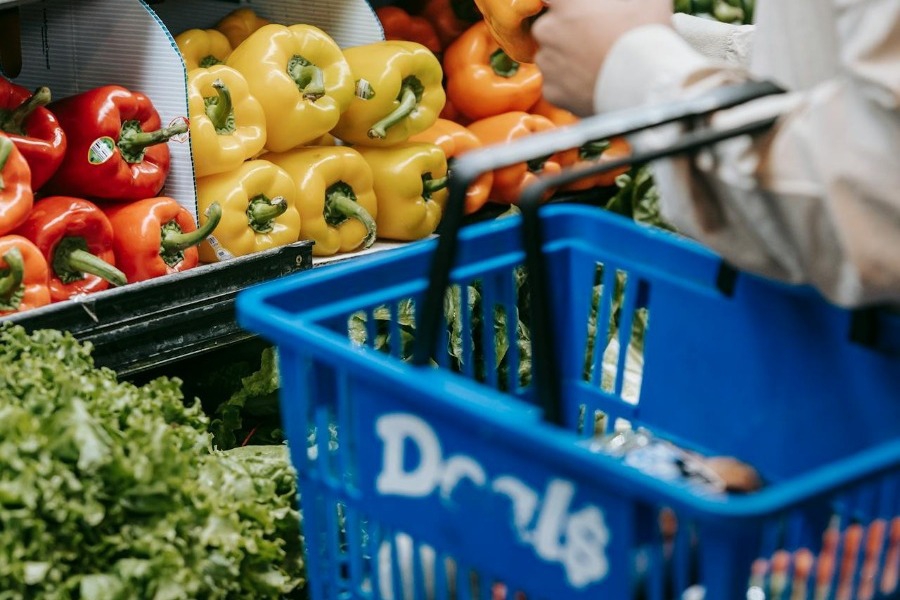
152 323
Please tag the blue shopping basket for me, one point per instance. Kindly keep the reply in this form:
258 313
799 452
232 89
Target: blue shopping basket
431 467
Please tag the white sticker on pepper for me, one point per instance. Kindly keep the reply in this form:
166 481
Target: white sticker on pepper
101 150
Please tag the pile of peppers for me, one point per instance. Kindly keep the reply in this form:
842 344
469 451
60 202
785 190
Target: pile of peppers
80 204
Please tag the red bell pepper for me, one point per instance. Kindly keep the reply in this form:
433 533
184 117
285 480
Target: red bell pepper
23 276
157 236
33 129
16 198
117 147
76 239
400 25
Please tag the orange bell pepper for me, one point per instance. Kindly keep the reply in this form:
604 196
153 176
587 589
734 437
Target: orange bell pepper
483 81
400 25
24 276
510 24
510 181
450 18
239 24
602 150
455 140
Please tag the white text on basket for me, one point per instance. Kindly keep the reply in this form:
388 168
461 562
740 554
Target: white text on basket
575 539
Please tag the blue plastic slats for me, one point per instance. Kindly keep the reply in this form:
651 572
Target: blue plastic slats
727 552
359 571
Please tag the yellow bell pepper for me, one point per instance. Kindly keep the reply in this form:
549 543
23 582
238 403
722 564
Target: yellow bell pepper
202 48
228 125
398 93
411 189
300 77
509 21
239 24
259 210
338 205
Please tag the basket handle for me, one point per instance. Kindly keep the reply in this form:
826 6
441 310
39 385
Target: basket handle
473 164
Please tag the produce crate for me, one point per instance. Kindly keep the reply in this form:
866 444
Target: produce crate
445 478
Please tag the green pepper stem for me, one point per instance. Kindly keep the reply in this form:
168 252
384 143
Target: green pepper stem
430 186
261 212
503 65
85 262
592 150
134 141
219 110
10 282
408 103
727 13
14 120
339 202
173 241
209 61
309 78
6 148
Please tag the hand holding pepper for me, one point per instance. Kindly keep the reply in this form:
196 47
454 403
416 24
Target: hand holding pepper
510 24
23 276
117 148
157 236
76 239
33 129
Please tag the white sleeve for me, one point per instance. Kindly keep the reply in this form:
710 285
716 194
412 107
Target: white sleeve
718 41
816 200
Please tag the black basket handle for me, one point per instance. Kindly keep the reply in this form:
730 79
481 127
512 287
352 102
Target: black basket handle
473 164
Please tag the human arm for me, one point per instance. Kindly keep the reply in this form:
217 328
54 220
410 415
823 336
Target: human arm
815 200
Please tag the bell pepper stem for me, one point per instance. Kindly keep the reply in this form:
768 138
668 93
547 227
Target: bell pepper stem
174 241
341 203
132 141
209 61
308 77
14 120
408 103
593 150
6 148
71 261
261 212
503 65
430 185
219 109
10 282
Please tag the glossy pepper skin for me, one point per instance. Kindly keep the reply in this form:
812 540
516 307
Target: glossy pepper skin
337 197
239 24
399 93
133 159
300 77
16 199
510 23
410 188
455 140
450 17
483 81
203 48
228 125
587 154
259 210
157 236
400 25
76 239
34 130
24 276
500 129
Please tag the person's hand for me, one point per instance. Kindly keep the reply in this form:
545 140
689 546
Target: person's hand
574 37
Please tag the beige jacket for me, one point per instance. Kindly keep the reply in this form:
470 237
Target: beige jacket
818 199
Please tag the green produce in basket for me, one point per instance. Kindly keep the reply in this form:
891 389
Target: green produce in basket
110 491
